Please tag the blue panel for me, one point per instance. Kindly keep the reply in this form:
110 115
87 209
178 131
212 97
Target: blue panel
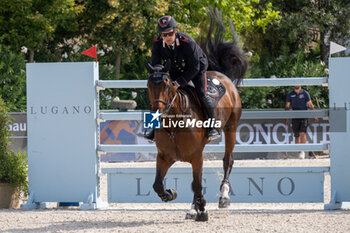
62 139
277 184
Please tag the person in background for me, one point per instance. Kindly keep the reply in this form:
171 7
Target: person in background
299 99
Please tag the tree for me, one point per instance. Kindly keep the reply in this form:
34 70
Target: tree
331 19
122 26
304 25
33 23
12 79
247 16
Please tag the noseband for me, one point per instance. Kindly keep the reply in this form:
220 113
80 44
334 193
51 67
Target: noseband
168 105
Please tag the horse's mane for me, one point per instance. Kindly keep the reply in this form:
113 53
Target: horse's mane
223 56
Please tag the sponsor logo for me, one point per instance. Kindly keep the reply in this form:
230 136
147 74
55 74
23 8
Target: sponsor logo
60 110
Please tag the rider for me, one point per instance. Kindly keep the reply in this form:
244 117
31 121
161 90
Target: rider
188 63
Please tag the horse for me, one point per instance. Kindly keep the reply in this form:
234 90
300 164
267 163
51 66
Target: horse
187 144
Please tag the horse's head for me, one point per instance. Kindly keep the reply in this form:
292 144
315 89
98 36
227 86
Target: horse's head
160 87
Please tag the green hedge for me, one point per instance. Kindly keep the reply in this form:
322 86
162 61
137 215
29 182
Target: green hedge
13 79
13 166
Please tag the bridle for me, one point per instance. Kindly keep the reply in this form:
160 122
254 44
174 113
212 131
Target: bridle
168 104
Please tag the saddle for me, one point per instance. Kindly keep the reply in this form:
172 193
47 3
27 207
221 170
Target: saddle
215 89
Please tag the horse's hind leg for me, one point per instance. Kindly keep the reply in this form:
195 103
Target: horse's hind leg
230 139
199 201
161 170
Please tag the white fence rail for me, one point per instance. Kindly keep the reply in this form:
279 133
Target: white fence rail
137 115
260 82
221 148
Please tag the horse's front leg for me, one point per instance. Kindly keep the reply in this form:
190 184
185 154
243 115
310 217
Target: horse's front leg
199 201
192 213
161 170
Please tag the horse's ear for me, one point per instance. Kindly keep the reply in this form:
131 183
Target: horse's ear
149 67
167 66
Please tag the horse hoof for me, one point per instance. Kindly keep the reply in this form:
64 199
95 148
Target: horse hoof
224 202
172 193
202 216
191 215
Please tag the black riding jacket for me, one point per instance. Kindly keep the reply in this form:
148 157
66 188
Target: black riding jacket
187 58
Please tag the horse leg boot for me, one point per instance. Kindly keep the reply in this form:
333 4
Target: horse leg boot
162 168
207 103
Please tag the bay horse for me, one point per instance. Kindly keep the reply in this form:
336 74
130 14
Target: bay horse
187 144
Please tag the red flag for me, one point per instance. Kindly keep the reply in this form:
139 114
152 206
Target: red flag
91 52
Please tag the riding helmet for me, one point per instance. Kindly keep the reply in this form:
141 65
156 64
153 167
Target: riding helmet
166 23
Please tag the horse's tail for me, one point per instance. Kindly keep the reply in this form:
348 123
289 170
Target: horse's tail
223 56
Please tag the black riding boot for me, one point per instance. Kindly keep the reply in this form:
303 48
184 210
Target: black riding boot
149 135
207 103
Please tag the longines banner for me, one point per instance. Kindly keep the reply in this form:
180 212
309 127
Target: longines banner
248 132
131 131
